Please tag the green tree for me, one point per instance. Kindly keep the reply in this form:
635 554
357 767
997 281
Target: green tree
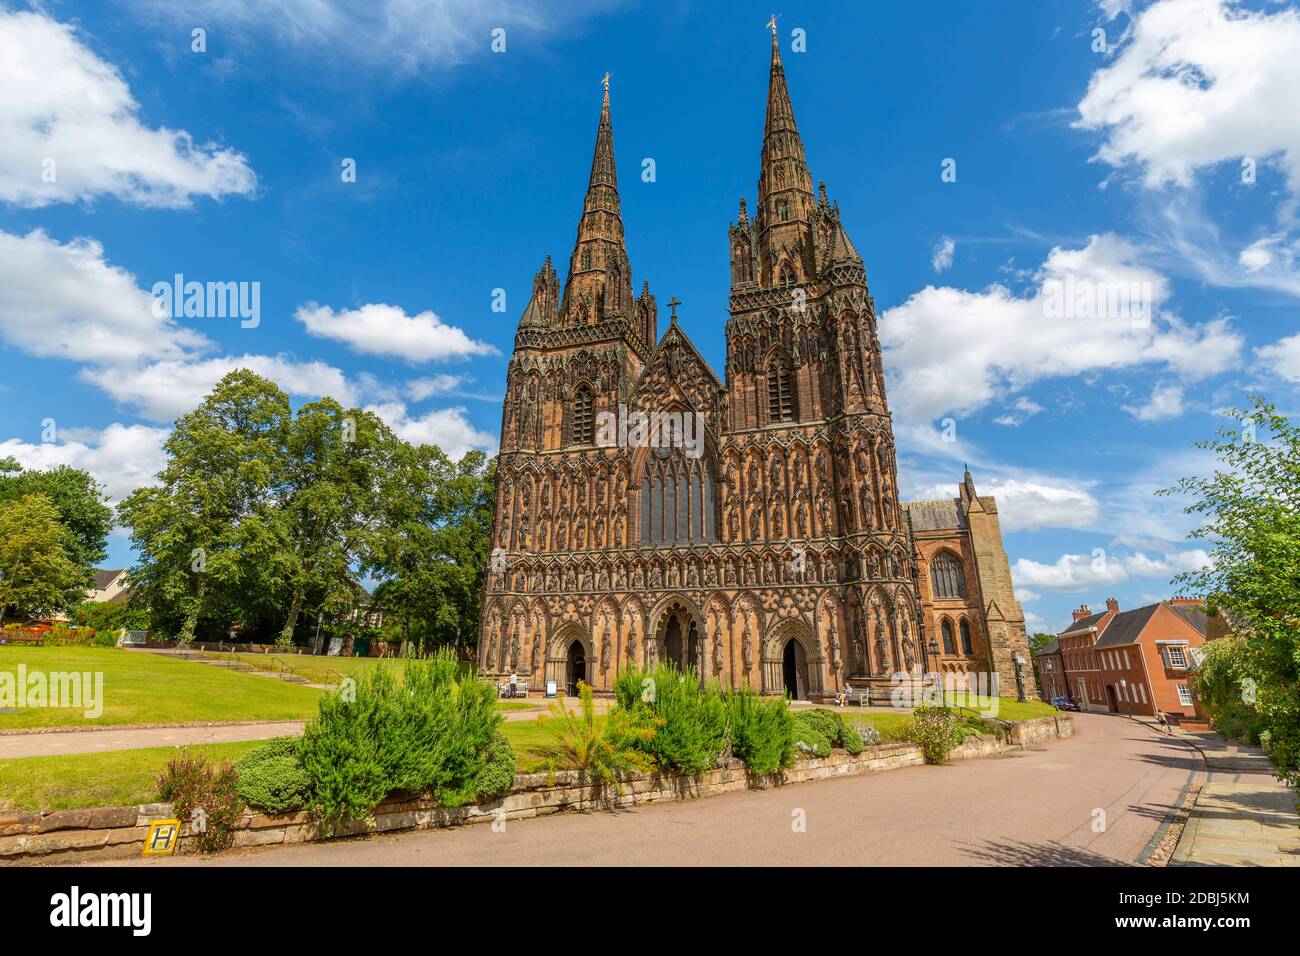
432 551
38 576
79 499
206 533
329 505
1250 508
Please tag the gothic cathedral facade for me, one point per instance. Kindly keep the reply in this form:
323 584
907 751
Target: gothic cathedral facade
776 553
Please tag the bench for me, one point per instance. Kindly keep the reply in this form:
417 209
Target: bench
503 689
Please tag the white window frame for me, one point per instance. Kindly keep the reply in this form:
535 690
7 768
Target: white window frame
1169 657
1184 695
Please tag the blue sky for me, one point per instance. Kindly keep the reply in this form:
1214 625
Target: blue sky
1113 162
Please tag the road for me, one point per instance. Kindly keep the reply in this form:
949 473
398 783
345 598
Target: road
1096 799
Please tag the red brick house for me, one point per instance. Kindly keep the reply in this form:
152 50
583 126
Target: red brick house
1146 658
1129 662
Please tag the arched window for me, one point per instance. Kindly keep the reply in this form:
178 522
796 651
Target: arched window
949 646
947 580
583 421
786 275
967 647
677 505
782 210
617 296
780 397
586 258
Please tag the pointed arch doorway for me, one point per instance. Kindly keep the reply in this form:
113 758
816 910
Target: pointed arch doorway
794 670
575 668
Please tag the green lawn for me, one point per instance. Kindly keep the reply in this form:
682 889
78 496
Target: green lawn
320 669
113 779
124 777
1008 708
142 688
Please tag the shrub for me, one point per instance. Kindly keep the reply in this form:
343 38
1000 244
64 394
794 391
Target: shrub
869 736
206 799
935 731
497 774
272 778
761 731
808 734
61 635
690 721
836 730
434 732
850 739
601 752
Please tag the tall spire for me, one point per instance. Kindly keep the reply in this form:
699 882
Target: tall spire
599 256
784 166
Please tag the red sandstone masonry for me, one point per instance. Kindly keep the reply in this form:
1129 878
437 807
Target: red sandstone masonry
71 836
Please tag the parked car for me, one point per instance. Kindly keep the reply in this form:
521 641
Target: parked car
1064 703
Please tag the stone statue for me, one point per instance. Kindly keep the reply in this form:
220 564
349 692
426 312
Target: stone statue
747 647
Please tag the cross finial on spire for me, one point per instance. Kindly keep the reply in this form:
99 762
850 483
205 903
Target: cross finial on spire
771 24
673 303
605 81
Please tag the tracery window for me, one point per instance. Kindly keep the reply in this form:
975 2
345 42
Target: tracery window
947 580
967 647
677 502
949 646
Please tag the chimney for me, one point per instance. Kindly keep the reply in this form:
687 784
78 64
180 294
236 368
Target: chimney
1187 602
1112 605
1082 612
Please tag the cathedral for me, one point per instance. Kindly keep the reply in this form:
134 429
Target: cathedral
773 550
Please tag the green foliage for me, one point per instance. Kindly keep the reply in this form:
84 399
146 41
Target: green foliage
1224 685
110 617
499 768
935 731
431 732
76 496
602 752
271 777
193 784
762 731
690 721
835 729
1250 509
38 576
61 635
809 735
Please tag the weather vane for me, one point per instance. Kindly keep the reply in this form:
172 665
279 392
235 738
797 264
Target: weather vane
605 81
771 24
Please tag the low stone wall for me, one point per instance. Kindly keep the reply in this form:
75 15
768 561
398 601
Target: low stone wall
68 836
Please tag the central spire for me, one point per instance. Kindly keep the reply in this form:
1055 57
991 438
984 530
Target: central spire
598 282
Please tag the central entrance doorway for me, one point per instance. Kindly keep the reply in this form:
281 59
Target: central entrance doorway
576 668
794 670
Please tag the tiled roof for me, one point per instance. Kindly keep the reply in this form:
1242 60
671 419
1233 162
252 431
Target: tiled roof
1125 627
1193 614
1083 623
105 577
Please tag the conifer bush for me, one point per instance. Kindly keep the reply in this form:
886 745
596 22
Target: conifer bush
690 721
761 731
809 737
271 777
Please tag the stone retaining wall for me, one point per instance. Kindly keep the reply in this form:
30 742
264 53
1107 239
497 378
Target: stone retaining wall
68 836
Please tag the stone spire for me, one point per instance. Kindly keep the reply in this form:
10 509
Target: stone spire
598 282
785 194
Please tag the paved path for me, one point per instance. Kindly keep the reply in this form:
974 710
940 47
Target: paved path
1035 807
98 741
1244 816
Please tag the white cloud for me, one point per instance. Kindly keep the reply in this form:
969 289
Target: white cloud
1026 406
941 256
1166 402
378 329
1027 505
1091 308
1024 594
445 427
1196 83
399 36
66 301
163 390
1258 254
122 457
1283 357
418 389
1077 572
65 105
